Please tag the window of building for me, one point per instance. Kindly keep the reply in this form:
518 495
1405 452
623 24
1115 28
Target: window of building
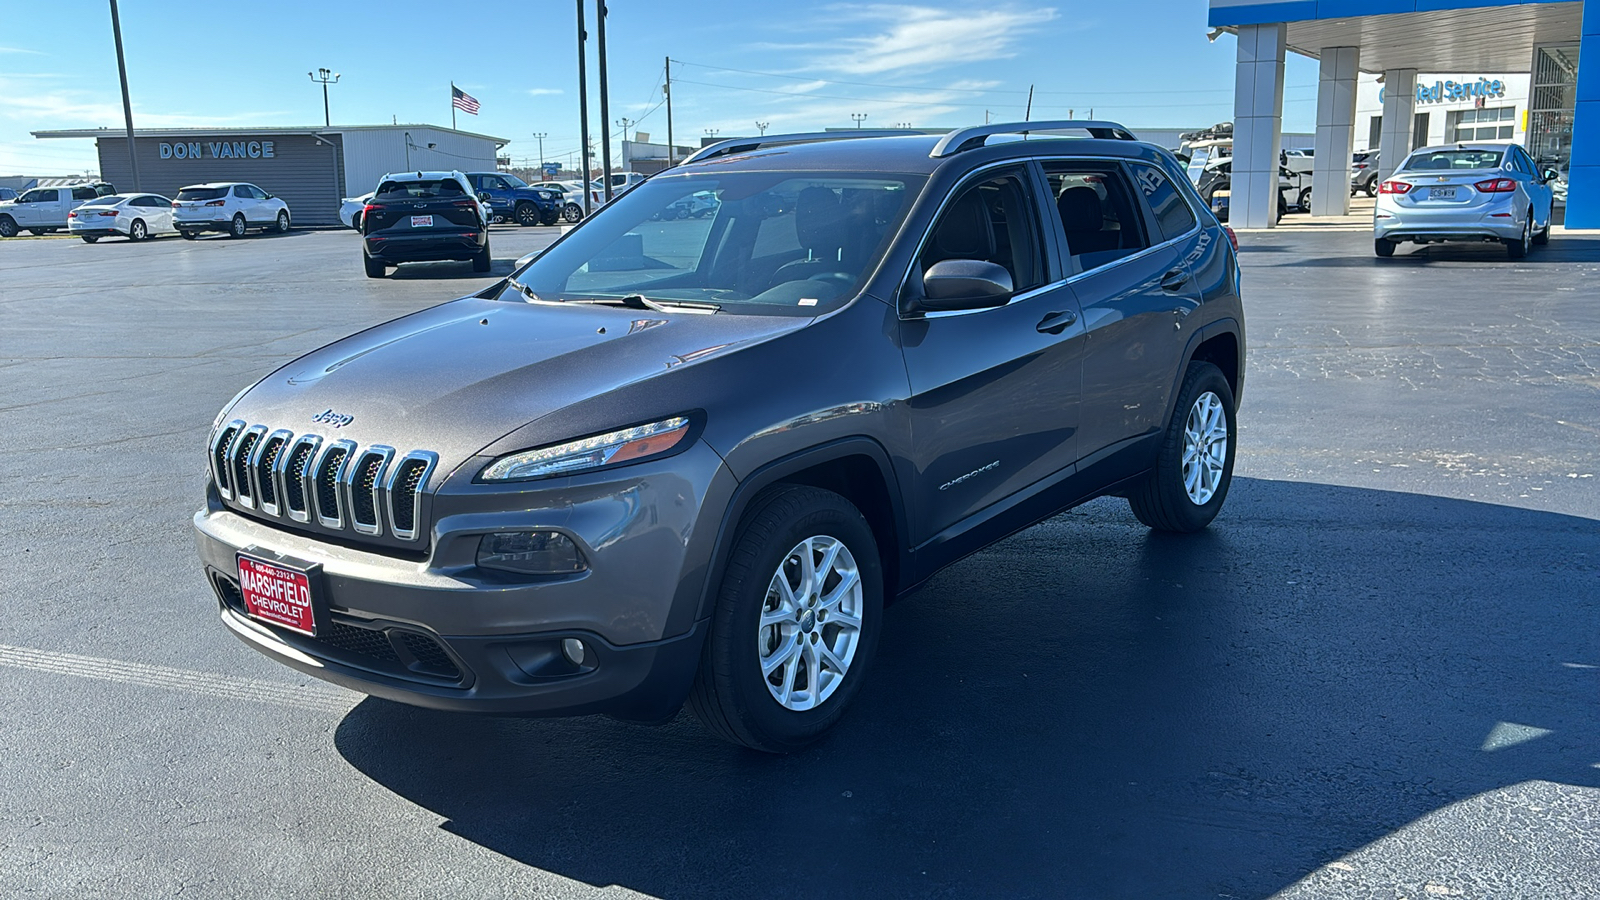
1419 130
1375 133
1488 124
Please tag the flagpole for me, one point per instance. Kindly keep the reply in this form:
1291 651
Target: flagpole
452 106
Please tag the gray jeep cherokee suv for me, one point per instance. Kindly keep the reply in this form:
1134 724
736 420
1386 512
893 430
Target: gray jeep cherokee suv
690 460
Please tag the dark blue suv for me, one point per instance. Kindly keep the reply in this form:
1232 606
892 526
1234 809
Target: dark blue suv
513 200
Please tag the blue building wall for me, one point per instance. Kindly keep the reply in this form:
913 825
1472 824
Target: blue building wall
1583 187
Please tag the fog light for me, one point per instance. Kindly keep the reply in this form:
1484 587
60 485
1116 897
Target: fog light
573 650
530 553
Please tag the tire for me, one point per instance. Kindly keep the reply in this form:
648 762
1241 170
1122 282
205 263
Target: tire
283 221
1372 187
731 696
572 213
375 267
526 214
239 227
38 232
188 235
137 231
90 238
1517 248
551 217
1542 237
1165 500
8 227
1383 247
483 261
1304 200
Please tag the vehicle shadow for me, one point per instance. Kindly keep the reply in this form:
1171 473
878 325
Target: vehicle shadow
1088 709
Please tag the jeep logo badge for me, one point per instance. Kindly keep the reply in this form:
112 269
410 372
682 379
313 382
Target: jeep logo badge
329 417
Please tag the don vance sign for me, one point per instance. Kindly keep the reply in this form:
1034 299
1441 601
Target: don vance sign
217 150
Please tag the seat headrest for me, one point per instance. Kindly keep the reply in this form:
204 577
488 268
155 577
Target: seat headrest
965 232
819 221
1079 206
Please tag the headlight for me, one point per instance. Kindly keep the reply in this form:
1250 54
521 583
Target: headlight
546 195
610 449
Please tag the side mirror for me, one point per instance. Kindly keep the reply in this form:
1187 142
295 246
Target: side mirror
965 284
484 196
1550 175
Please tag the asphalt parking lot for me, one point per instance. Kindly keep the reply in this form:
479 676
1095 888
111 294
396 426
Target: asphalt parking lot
1376 675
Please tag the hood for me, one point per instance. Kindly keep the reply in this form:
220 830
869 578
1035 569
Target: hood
455 378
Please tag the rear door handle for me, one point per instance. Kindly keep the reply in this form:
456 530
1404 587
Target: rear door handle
1057 322
1173 281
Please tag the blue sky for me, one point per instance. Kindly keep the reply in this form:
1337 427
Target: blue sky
797 66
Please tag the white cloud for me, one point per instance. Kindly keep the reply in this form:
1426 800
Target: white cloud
21 50
43 110
542 92
923 38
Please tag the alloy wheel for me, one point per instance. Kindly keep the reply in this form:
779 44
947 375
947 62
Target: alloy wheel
1205 448
136 231
810 624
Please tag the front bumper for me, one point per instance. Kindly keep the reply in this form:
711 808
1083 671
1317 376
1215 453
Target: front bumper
438 632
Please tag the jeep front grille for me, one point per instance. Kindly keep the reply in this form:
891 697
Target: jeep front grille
336 485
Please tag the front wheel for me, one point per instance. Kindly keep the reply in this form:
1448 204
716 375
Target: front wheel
1194 466
526 214
796 622
283 221
8 227
571 213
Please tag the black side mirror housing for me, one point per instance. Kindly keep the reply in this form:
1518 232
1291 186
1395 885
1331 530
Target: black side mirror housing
484 196
1550 175
954 284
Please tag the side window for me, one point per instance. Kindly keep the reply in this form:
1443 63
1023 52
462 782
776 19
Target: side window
994 221
42 196
1099 215
494 183
244 191
84 193
1173 216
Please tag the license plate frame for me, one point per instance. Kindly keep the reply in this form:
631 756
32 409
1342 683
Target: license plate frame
282 591
1442 193
422 221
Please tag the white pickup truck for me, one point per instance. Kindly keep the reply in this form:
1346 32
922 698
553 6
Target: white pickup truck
43 210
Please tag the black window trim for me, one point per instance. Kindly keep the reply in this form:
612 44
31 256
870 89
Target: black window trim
1049 245
1199 223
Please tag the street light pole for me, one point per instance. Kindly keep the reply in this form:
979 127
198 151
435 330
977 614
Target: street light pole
583 111
127 106
324 77
605 99
859 117
541 135
762 127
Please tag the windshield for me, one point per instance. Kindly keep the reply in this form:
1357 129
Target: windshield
202 193
771 243
1437 160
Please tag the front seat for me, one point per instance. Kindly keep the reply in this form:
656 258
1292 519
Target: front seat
965 232
819 223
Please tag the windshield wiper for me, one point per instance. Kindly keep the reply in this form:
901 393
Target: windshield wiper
640 301
524 289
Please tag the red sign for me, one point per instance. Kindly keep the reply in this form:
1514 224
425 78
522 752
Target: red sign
277 595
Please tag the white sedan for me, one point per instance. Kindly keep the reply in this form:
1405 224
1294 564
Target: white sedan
350 209
134 216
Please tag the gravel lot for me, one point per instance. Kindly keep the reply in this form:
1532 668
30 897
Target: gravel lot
1375 675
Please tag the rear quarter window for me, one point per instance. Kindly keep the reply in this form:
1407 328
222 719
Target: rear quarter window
1173 215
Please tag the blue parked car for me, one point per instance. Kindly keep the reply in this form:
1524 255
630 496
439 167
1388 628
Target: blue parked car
512 199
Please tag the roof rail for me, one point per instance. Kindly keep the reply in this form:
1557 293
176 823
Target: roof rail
746 145
963 139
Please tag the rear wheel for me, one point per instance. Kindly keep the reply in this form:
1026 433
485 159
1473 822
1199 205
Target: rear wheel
1372 187
483 260
375 267
526 214
796 622
8 227
39 231
1304 200
1517 247
137 231
1194 466
1383 247
90 238
283 221
188 235
238 228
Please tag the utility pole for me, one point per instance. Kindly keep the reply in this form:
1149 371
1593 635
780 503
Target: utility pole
321 76
605 110
624 124
666 91
127 107
541 135
762 127
583 110
859 117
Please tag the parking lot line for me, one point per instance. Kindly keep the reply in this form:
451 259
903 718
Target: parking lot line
313 697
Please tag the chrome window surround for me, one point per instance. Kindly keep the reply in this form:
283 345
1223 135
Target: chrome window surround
348 487
430 462
335 521
302 476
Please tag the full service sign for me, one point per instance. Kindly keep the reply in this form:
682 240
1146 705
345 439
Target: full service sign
218 150
1455 91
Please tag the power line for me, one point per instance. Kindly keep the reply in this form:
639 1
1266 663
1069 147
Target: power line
807 94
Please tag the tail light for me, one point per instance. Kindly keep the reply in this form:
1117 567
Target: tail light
218 203
72 215
371 208
175 205
1394 187
1359 166
109 212
468 204
1496 186
1232 238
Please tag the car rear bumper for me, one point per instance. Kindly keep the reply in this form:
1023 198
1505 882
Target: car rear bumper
1485 223
93 232
422 247
203 224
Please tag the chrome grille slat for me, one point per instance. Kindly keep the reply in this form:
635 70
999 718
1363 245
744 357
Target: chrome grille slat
336 485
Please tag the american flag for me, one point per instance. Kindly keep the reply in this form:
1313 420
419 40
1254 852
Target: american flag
463 101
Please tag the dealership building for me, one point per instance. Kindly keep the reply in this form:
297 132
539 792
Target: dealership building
310 168
1557 118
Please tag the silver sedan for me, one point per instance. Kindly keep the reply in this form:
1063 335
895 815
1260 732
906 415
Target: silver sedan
134 216
1464 192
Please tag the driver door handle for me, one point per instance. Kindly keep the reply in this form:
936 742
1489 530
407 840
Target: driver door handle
1057 322
1173 281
